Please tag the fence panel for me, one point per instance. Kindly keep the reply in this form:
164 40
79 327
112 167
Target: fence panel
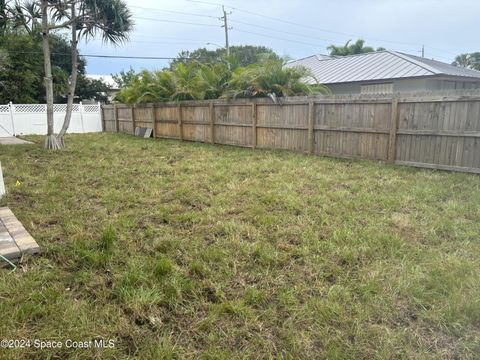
124 120
109 119
431 130
6 123
195 123
352 130
282 127
166 121
444 135
233 124
144 116
31 119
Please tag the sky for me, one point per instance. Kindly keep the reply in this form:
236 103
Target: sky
291 28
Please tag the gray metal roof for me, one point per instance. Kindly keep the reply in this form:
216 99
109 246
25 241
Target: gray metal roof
380 65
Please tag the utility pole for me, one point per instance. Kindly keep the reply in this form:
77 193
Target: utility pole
423 51
225 25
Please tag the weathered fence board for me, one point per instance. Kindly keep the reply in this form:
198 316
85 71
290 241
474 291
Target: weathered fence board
431 130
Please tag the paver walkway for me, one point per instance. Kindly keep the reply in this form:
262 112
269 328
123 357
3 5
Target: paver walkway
14 239
12 140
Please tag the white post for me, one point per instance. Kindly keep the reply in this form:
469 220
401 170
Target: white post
100 116
10 106
80 107
2 185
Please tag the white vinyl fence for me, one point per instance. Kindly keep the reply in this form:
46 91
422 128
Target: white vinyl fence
31 119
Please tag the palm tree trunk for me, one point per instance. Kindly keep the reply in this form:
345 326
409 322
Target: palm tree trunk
50 141
73 82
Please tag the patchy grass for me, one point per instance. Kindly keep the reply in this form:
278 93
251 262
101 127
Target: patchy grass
184 250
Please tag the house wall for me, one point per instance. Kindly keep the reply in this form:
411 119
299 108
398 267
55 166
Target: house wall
452 84
408 85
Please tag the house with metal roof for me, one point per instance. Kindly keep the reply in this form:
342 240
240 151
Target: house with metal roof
385 72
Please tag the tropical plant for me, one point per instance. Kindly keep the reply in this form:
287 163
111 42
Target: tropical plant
351 49
198 81
111 19
272 79
148 86
192 81
213 80
470 61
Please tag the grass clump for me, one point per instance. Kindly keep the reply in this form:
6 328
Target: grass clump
108 239
163 267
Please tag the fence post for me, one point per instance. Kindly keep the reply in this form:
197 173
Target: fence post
392 141
10 107
154 123
180 120
311 118
254 125
80 108
132 116
212 122
102 118
115 117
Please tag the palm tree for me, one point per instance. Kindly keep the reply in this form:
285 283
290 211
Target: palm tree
110 19
351 49
196 81
213 80
272 79
187 82
147 86
470 61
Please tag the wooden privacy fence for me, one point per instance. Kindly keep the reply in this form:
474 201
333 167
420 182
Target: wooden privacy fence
431 130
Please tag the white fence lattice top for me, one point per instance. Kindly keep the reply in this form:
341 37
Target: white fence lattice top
29 108
42 108
59 107
91 108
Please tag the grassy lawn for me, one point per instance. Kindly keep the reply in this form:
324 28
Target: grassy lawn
185 250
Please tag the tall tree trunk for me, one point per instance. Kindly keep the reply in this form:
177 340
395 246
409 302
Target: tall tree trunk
73 81
50 141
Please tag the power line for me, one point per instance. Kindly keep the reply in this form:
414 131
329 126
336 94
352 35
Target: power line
272 29
134 57
277 30
248 24
173 21
324 30
316 28
443 51
301 25
274 37
174 12
142 36
159 42
107 56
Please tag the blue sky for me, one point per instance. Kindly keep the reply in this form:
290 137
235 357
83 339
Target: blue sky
292 28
